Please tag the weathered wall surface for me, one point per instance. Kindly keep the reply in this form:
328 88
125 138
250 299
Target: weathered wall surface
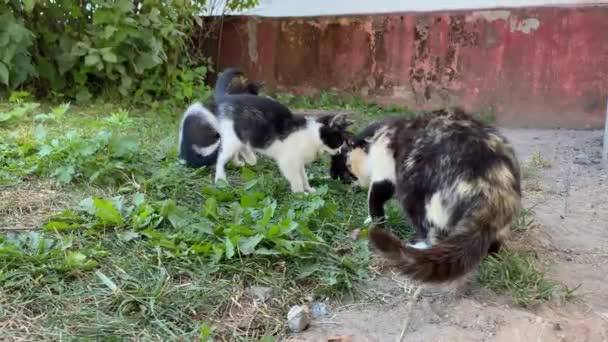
541 67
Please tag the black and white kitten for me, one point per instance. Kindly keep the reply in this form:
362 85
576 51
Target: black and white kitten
250 123
198 141
457 179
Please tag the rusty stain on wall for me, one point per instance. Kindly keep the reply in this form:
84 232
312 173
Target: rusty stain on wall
528 66
252 42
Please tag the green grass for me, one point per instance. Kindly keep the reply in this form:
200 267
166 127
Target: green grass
121 241
515 272
143 247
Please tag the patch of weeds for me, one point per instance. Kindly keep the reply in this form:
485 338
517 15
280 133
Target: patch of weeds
531 177
488 118
106 156
514 272
524 222
17 112
538 161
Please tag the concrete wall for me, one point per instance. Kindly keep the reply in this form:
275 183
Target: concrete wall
543 67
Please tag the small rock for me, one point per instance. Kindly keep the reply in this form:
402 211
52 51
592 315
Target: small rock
319 309
557 327
582 159
298 318
561 217
576 149
342 338
260 293
596 161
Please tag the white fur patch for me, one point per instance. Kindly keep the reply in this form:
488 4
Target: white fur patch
207 150
420 245
301 146
436 213
381 162
200 111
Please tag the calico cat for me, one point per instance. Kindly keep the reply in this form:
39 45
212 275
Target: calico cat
250 123
456 178
198 141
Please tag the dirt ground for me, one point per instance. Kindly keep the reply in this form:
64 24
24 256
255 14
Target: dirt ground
571 206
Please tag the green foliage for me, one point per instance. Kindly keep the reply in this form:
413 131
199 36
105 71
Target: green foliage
330 100
516 273
158 248
134 48
17 112
105 157
15 43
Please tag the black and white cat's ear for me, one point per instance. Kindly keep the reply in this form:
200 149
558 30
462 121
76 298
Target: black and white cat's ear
254 87
339 121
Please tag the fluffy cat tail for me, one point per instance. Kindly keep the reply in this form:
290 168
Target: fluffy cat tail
196 123
448 260
224 81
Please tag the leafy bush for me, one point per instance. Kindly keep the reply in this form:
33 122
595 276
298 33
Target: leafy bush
103 47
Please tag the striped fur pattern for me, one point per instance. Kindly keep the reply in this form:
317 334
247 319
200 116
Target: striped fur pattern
457 179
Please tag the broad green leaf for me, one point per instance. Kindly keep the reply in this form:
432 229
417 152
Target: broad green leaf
4 74
40 132
28 5
92 60
65 173
124 146
229 248
45 150
247 245
210 207
108 55
145 61
105 210
87 205
4 39
60 226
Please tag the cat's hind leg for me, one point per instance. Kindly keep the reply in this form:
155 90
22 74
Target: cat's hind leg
230 145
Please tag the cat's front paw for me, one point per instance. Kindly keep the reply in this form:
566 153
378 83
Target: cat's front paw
367 221
238 162
221 178
310 190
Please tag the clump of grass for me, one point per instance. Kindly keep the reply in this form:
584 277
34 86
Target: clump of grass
515 272
524 222
538 161
328 100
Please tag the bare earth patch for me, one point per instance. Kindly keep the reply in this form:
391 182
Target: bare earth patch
570 201
27 205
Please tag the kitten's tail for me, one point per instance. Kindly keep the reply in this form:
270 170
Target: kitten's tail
223 85
447 260
196 122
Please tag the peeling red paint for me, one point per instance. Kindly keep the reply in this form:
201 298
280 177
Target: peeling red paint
544 67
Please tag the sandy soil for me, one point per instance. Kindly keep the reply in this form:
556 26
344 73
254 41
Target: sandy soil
571 206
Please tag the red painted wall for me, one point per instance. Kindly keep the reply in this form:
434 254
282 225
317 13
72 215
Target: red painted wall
541 67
